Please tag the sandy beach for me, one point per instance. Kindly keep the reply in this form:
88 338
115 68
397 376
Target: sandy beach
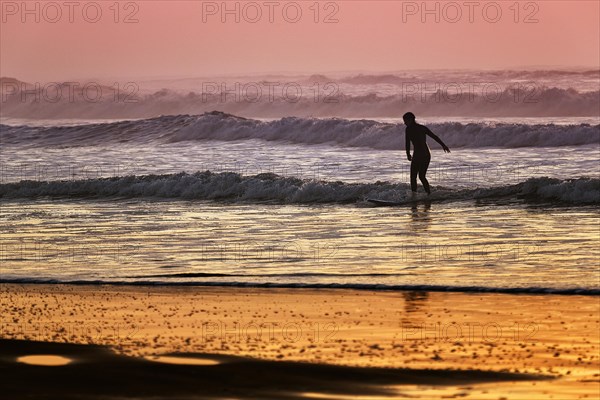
199 342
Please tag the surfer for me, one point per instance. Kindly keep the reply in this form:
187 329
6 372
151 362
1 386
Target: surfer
417 135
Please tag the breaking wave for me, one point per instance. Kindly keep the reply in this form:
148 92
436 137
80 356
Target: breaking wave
356 133
272 188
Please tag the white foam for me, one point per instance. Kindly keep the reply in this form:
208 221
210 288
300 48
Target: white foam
234 187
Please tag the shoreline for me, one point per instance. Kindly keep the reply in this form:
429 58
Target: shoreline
375 288
536 334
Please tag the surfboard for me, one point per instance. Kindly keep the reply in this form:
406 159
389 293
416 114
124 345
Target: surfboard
385 203
392 203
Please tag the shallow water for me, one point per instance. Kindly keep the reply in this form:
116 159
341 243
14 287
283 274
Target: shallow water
482 167
470 244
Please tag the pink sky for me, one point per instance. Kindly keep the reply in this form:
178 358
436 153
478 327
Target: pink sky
171 39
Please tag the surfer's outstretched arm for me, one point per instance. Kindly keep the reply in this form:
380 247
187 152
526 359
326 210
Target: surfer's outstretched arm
437 139
407 146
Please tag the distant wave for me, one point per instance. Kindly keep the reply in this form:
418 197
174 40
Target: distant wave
356 133
352 286
272 188
470 76
380 96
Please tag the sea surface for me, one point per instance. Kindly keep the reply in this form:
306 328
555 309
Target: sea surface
215 198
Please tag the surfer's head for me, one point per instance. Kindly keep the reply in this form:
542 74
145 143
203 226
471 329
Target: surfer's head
408 118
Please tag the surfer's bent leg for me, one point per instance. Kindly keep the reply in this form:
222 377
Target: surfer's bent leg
423 165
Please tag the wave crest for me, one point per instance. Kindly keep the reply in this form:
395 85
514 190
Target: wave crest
272 188
356 133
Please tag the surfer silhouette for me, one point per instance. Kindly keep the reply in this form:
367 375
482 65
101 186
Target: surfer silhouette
417 135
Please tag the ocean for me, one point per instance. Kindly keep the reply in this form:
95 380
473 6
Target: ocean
275 195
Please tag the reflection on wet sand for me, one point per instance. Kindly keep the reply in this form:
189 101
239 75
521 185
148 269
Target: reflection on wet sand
420 215
414 305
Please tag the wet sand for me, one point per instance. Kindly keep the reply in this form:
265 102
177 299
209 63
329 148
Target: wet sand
281 343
